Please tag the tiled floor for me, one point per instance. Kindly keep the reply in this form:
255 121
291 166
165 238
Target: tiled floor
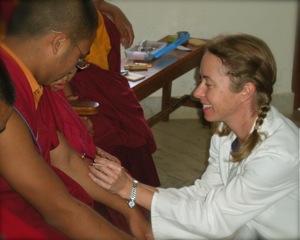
183 150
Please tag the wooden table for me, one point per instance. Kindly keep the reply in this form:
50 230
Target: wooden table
161 75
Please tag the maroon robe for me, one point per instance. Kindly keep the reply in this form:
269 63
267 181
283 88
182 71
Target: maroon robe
47 140
7 8
16 228
68 122
120 126
71 125
114 56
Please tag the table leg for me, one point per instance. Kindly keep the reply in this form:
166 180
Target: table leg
163 114
166 96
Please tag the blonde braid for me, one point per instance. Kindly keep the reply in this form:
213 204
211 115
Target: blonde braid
254 138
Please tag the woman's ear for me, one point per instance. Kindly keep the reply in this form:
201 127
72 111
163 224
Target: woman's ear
248 90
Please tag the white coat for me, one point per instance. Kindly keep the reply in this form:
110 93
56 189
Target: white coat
256 197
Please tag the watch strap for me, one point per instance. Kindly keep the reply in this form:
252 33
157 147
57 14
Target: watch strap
131 202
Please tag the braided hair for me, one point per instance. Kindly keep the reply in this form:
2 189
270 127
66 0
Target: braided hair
247 59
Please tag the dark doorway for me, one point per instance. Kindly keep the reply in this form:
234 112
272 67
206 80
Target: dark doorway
296 70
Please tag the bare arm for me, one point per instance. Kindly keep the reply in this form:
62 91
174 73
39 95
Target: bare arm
122 23
70 162
29 173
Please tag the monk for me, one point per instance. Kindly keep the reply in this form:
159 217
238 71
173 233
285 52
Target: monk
120 127
39 48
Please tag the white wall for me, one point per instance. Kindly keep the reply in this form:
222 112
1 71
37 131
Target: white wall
272 20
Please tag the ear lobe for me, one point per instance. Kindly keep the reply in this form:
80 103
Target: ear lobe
248 90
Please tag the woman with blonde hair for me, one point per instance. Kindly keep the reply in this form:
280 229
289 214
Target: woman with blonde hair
250 189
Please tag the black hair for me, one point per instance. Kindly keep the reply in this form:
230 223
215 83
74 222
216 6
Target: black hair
77 18
7 91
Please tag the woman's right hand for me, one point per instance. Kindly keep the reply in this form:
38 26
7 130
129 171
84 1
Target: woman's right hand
111 176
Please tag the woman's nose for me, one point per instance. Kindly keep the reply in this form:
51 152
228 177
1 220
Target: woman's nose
199 91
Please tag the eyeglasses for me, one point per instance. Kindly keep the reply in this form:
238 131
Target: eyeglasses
82 63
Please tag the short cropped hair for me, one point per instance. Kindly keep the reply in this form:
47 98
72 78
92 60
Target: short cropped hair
77 18
7 91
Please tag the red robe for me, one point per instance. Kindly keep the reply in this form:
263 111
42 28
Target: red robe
7 8
71 125
120 126
20 228
47 140
133 157
114 56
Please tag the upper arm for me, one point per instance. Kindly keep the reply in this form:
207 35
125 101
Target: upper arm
25 170
63 154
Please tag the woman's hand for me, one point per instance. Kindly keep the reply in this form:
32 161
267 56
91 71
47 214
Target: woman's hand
114 178
101 153
111 176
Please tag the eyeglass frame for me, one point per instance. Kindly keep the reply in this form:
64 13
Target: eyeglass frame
81 60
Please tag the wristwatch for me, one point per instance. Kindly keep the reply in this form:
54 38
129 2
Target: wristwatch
131 202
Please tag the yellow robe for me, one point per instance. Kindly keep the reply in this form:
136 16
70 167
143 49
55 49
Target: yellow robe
100 47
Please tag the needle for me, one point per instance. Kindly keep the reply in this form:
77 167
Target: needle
97 164
87 156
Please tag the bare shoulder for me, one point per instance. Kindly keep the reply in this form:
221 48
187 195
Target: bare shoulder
21 165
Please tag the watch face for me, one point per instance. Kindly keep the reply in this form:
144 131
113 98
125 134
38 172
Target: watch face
131 204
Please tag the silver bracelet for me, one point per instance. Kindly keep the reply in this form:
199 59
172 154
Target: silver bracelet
131 202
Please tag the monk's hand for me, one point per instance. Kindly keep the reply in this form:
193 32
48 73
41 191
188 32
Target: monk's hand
125 29
139 225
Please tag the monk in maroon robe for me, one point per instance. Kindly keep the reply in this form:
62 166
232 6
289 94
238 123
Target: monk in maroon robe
38 111
48 140
120 126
